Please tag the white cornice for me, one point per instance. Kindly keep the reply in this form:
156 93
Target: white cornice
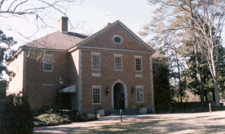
45 49
112 49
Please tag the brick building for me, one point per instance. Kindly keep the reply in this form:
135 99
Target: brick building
111 69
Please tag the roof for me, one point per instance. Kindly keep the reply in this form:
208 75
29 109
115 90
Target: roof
70 40
57 40
157 54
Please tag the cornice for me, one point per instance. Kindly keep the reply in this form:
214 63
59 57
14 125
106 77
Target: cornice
112 49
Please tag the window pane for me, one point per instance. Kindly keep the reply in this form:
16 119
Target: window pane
140 95
138 64
96 61
118 63
96 95
47 63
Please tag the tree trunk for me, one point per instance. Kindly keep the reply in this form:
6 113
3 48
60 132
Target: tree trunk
198 75
216 93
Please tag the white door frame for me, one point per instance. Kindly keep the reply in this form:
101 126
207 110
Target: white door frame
125 92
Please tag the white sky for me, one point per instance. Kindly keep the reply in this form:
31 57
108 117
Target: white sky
91 15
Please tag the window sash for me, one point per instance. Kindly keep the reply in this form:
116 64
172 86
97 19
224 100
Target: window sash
95 62
140 94
118 63
138 64
96 95
47 63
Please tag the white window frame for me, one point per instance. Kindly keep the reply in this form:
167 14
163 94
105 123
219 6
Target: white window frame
49 55
119 37
94 87
138 57
138 87
92 65
116 56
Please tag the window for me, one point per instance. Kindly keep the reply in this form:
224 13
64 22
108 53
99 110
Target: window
95 61
96 94
140 94
117 62
117 39
138 63
47 63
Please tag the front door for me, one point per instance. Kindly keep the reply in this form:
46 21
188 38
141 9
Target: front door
118 96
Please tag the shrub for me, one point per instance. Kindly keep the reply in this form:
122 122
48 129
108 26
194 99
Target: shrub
50 119
17 116
75 116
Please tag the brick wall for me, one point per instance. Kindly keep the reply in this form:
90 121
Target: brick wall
42 86
109 77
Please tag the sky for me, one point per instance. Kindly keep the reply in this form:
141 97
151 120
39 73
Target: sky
87 17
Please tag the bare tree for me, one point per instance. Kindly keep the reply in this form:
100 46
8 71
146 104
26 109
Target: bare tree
33 11
198 20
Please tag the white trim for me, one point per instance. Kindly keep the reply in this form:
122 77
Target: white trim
80 109
138 57
112 93
142 87
138 75
99 87
46 84
117 42
152 86
95 54
49 55
96 74
111 49
24 70
120 56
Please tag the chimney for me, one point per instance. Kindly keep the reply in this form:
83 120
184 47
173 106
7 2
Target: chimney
63 24
107 25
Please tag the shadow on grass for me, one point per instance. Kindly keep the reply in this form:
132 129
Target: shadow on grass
152 126
51 130
126 127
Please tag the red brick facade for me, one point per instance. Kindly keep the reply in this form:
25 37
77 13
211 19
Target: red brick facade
75 65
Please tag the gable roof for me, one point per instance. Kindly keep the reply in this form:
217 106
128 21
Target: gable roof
69 41
57 40
141 42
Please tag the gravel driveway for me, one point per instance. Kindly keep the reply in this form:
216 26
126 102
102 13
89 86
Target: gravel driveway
182 123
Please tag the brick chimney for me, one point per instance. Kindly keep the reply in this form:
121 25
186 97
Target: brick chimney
63 24
106 25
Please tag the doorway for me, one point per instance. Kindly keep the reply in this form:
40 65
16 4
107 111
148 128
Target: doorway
119 96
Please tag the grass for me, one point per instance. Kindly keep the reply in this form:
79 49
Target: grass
126 127
162 125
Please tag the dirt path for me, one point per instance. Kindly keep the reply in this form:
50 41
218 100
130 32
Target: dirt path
170 123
